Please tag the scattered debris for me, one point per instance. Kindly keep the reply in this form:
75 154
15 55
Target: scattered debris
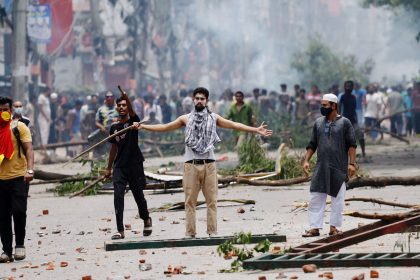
45 212
374 274
309 268
64 264
240 210
361 276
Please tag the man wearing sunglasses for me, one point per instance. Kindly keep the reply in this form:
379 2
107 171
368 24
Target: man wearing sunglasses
334 140
200 168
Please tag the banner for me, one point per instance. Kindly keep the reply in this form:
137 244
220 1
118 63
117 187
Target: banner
39 23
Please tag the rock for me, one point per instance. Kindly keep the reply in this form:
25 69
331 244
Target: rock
175 222
281 276
142 261
374 274
294 277
127 227
50 266
43 227
328 275
162 218
87 277
240 210
143 252
276 249
145 266
177 270
309 268
127 276
64 264
262 278
45 212
56 231
361 276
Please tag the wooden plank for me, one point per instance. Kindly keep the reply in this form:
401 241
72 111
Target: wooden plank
185 242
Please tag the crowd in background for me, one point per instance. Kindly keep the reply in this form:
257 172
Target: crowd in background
63 117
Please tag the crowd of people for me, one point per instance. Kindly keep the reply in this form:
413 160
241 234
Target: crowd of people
63 117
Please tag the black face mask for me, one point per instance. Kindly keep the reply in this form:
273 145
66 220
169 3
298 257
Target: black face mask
326 111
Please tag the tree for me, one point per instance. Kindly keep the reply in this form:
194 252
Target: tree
412 6
319 65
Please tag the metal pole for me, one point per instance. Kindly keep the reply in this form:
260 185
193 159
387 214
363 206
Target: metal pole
19 57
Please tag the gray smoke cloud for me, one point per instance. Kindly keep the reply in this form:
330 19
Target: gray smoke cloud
262 36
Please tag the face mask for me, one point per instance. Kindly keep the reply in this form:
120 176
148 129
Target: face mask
18 110
5 118
326 111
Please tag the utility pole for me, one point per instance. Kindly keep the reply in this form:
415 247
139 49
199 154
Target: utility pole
19 57
97 45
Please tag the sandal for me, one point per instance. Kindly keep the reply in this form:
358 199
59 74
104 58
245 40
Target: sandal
118 235
311 233
147 227
335 232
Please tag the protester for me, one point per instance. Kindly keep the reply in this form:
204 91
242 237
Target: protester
334 141
18 113
200 167
348 108
125 163
44 116
16 171
240 112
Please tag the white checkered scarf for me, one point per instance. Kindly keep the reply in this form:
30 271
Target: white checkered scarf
201 132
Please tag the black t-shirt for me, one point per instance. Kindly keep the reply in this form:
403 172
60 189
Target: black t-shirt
129 153
348 107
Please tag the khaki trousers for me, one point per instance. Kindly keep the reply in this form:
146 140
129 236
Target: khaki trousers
200 177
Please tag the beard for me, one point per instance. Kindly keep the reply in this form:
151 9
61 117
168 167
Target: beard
199 107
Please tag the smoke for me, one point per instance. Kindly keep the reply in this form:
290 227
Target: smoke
250 43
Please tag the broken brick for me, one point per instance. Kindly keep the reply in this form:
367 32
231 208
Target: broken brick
45 212
64 264
374 274
127 226
309 268
87 277
262 278
328 275
240 210
361 276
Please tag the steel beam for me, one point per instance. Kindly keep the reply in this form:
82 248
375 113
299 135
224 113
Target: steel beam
185 242
272 261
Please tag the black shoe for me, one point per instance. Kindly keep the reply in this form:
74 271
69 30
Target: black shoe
5 258
147 227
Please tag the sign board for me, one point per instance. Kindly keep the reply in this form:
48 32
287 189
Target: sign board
39 23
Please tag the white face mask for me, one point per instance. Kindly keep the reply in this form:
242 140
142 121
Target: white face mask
18 110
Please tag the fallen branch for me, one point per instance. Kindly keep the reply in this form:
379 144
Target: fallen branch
44 175
60 145
87 187
274 183
383 202
397 113
387 132
181 205
382 181
60 181
385 217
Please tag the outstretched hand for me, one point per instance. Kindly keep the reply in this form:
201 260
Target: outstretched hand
262 130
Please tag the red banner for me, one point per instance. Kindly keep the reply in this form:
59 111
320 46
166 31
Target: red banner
61 25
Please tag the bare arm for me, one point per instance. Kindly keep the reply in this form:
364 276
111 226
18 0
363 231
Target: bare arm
352 168
29 154
112 155
308 156
262 129
178 123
